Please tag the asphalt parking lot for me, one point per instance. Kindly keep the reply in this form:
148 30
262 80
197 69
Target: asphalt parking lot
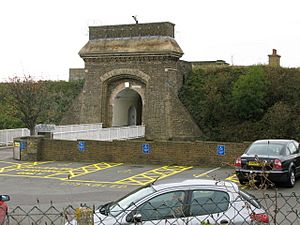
72 183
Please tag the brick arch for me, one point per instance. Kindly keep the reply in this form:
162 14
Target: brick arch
123 72
120 87
112 83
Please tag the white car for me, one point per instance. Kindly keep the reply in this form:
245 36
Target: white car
195 201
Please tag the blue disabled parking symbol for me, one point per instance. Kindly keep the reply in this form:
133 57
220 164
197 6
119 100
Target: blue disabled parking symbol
23 145
81 146
146 148
221 150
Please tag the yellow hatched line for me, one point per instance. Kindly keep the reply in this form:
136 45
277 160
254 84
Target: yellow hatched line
151 175
84 170
46 168
233 178
40 170
93 168
35 163
8 168
18 166
9 162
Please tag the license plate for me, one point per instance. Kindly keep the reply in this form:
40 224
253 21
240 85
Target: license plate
254 163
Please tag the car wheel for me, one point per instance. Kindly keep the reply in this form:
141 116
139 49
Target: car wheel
292 178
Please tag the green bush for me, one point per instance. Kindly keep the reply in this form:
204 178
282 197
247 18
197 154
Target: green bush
244 103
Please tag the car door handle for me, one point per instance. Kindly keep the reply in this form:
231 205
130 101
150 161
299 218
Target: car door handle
224 222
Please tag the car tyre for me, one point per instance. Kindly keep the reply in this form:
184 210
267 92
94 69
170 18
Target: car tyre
292 178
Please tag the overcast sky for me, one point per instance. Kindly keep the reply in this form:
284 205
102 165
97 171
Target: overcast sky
42 38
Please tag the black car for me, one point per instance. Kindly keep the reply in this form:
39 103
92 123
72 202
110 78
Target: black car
278 161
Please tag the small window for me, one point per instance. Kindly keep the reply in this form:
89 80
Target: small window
169 205
296 144
208 202
292 148
287 151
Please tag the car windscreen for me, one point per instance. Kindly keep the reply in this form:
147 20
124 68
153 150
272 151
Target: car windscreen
271 149
117 207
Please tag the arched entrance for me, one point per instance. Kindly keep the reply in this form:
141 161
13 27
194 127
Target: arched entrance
127 108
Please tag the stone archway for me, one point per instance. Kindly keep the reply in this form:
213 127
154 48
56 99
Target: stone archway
112 85
127 108
147 58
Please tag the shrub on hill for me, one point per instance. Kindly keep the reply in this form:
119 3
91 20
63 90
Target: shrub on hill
244 103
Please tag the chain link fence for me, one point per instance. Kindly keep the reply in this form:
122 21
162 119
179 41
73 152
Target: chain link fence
278 209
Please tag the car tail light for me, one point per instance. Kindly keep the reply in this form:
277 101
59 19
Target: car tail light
277 164
238 162
260 217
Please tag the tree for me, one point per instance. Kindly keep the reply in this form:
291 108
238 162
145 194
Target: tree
248 94
28 99
206 94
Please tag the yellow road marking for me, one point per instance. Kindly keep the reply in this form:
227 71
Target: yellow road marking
206 173
18 166
7 169
32 170
233 178
14 163
75 172
150 176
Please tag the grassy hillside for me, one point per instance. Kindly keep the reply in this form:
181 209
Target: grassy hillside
244 103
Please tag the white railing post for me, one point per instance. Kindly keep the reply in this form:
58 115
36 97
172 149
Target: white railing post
7 136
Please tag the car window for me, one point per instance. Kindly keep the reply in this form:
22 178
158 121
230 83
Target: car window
119 206
292 148
265 149
296 144
205 202
287 151
168 205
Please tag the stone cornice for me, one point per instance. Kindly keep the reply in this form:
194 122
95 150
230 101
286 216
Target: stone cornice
138 58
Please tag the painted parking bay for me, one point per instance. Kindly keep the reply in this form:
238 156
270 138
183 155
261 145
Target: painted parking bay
47 170
89 173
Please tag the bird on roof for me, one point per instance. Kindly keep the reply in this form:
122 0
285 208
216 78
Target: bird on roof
135 19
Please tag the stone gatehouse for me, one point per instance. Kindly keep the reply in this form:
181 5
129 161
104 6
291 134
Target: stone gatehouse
132 76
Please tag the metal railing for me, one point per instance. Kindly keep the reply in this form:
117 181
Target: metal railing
78 131
278 209
77 127
103 134
7 136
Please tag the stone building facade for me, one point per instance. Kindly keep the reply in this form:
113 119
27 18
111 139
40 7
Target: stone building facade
132 76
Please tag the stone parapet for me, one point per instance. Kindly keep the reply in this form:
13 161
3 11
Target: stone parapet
132 30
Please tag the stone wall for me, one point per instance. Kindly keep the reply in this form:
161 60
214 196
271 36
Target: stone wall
76 74
161 152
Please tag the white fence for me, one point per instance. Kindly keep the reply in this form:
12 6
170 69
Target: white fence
77 127
79 131
103 134
7 136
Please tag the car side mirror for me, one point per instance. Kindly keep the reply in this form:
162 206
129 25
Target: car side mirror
134 218
4 198
129 218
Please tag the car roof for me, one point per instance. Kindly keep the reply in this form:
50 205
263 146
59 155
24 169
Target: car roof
278 141
204 183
